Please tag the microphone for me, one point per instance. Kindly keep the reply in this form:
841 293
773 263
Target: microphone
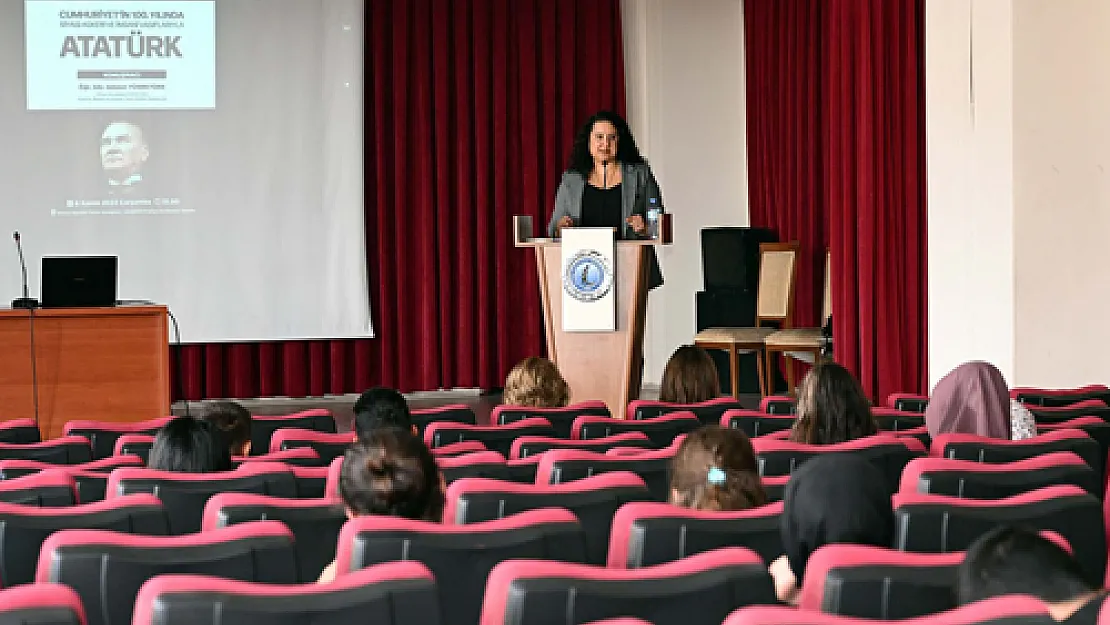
26 301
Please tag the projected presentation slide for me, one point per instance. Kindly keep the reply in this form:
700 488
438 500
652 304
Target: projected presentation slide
123 54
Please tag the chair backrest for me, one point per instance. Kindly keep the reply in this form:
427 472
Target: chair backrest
1094 427
456 449
264 426
701 589
1086 408
461 556
64 450
327 445
910 402
315 524
594 500
23 529
890 454
489 464
983 449
297 456
661 430
45 488
894 420
977 480
774 486
778 268
20 431
646 534
560 419
708 412
399 593
560 466
108 568
1009 610
1052 397
102 435
90 483
184 494
879 583
497 438
941 524
755 423
459 413
310 482
134 445
528 446
778 405
41 604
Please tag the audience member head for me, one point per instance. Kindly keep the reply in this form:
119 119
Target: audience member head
536 383
233 422
832 407
390 472
715 469
1014 561
689 377
972 399
188 445
380 408
834 498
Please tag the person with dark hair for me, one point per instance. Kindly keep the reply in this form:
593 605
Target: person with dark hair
234 423
390 473
189 445
381 407
689 377
833 498
1015 561
832 407
715 469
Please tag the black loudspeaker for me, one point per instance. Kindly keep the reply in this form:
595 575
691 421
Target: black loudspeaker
730 257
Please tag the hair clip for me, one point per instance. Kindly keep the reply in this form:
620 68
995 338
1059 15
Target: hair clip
716 476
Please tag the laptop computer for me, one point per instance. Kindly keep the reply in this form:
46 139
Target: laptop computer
79 281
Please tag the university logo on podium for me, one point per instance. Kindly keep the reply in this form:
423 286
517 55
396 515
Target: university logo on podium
588 279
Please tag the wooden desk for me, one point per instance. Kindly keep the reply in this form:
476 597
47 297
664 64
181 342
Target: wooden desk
104 364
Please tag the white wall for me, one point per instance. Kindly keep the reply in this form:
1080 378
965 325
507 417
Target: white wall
684 64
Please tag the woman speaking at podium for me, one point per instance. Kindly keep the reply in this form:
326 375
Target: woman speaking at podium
608 184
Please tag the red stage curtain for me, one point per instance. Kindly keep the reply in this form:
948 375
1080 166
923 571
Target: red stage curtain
471 108
836 157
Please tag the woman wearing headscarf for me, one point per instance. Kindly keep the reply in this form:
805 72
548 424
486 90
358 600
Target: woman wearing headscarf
834 498
974 399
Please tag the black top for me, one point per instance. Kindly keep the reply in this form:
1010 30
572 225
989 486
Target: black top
601 208
1088 614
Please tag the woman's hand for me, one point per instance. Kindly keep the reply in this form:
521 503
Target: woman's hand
786 585
637 223
566 221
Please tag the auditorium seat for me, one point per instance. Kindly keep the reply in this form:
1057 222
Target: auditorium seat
91 483
889 453
134 445
400 593
458 413
560 466
661 430
23 529
184 494
699 590
778 405
909 402
108 568
64 450
1086 408
102 435
1094 427
1055 397
264 426
327 445
297 456
41 604
941 524
755 423
921 434
708 412
561 419
489 464
977 480
1011 610
894 420
879 583
594 500
45 488
774 486
497 438
455 449
461 556
528 446
983 449
20 431
646 534
315 524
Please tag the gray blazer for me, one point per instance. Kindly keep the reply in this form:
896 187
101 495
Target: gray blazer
638 186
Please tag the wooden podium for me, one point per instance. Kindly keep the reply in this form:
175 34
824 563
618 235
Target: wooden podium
104 364
596 365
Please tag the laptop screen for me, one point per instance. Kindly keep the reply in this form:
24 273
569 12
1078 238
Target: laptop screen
79 281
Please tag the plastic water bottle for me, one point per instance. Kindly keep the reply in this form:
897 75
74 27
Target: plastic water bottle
653 212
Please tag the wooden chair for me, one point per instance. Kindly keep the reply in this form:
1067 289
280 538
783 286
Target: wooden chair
778 263
802 344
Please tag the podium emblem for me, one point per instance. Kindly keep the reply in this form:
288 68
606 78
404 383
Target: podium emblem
588 276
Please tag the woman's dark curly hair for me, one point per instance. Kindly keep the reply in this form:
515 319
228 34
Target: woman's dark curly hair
627 152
